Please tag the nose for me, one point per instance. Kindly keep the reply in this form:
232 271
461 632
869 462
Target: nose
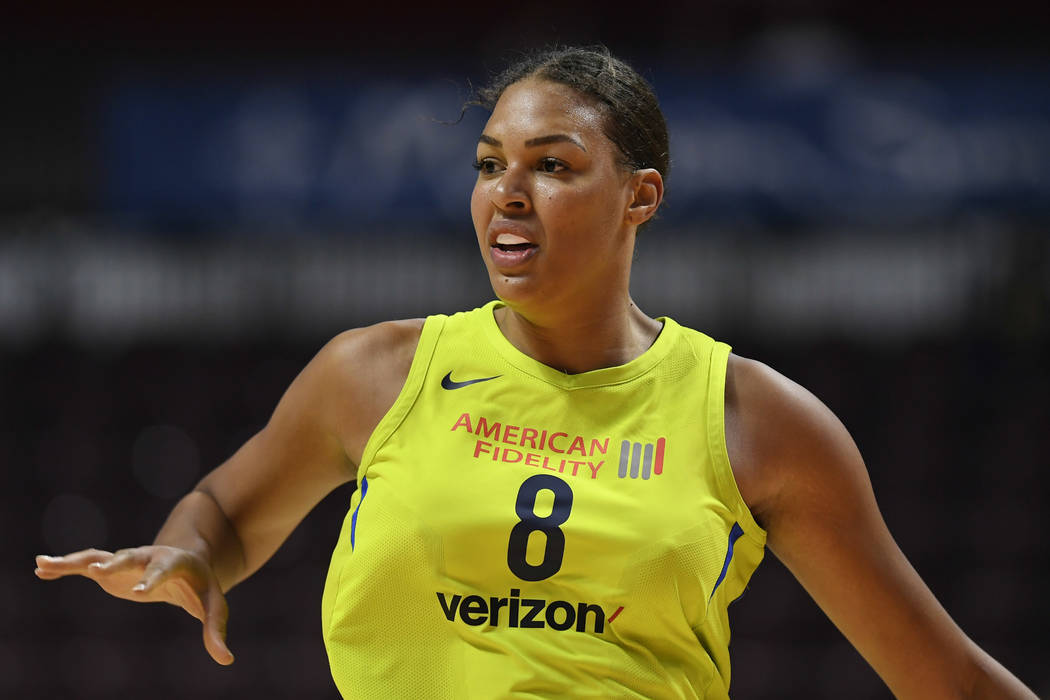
510 193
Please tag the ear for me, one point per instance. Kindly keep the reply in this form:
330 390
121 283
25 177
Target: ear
647 187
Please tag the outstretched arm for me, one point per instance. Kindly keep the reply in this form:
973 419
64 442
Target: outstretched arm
240 513
803 478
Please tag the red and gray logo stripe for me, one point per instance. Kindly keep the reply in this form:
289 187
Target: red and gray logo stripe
638 459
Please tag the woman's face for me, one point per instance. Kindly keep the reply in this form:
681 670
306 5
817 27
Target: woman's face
551 199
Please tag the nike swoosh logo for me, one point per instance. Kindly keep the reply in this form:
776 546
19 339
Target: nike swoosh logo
447 383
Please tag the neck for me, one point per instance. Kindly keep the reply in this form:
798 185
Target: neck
583 340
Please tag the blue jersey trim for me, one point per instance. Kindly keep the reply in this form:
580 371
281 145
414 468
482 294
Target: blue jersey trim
364 492
734 535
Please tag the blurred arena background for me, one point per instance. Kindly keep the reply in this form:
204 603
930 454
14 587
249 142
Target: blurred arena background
194 198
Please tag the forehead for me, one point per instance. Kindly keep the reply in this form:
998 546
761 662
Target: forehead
535 107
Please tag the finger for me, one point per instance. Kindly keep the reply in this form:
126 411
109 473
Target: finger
122 560
75 563
217 614
47 575
155 574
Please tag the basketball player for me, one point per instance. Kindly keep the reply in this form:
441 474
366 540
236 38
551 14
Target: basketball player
558 495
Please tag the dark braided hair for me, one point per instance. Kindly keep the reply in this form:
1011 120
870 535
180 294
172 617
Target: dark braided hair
633 119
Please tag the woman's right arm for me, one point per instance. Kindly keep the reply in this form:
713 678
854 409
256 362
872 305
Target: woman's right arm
237 517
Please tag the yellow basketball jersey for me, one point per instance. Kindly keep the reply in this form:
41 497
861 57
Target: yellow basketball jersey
520 532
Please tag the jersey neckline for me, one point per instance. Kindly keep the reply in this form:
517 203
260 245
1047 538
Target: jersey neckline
593 378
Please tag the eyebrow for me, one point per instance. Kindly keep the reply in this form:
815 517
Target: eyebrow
538 141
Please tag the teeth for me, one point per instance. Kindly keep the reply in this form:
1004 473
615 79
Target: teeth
510 239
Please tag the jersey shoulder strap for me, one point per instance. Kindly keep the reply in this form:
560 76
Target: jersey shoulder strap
428 340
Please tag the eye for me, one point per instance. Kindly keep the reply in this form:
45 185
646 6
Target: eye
486 166
551 165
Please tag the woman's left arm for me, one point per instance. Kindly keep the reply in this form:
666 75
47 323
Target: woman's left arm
803 478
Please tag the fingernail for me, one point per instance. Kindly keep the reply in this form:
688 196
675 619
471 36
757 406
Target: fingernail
95 565
46 557
139 587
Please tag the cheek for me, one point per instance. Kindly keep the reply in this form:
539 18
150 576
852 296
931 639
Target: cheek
588 208
559 204
478 208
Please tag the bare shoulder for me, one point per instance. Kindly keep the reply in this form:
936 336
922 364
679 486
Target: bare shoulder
781 438
360 373
382 348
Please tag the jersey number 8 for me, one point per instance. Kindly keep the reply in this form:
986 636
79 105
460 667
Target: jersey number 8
525 507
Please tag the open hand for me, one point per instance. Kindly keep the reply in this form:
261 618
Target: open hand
153 574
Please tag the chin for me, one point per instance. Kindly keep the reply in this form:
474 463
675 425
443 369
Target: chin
516 291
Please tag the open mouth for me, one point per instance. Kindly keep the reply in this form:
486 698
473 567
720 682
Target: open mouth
511 247
510 250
